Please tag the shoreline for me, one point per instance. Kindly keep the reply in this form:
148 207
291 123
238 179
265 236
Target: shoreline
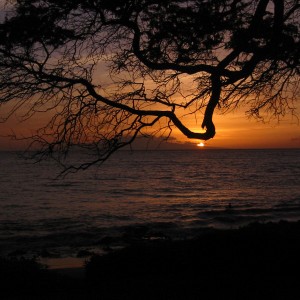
72 254
258 261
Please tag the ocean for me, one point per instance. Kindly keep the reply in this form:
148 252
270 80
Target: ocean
143 195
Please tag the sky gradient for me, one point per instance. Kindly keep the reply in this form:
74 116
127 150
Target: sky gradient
234 130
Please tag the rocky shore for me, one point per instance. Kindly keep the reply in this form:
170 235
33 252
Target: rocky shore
259 261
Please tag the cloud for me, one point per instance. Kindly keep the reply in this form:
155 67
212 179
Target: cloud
296 140
160 143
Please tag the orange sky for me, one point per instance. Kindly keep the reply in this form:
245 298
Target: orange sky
234 130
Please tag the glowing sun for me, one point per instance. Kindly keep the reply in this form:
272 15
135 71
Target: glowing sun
200 144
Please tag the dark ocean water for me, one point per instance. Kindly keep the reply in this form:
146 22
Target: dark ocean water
144 194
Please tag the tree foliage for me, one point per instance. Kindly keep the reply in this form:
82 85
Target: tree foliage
110 69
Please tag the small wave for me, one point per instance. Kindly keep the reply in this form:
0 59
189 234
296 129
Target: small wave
12 206
58 185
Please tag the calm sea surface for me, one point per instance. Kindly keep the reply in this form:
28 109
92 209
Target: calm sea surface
141 194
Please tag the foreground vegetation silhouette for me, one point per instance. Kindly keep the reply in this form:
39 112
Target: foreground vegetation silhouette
105 72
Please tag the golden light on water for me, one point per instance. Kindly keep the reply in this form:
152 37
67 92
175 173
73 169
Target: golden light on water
201 144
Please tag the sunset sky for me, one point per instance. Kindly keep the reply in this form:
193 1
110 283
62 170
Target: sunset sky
234 130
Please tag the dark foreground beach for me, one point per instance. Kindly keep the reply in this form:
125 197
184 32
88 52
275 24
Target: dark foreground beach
259 261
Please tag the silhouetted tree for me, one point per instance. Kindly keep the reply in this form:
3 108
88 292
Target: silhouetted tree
110 69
